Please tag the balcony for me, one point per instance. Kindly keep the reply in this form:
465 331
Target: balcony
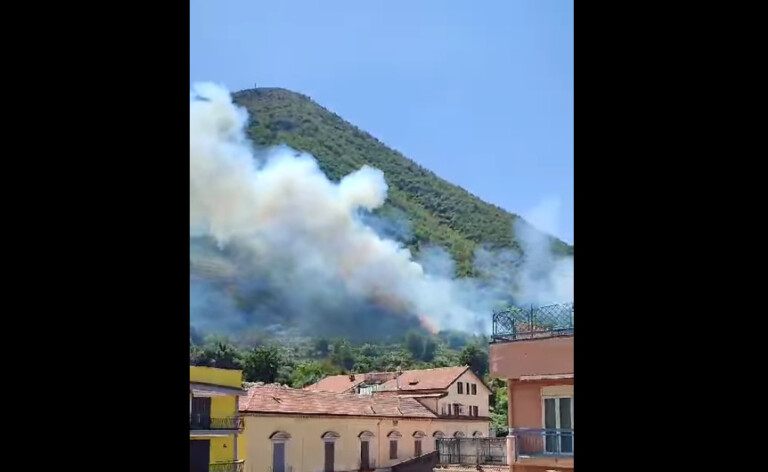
231 466
544 447
532 323
472 451
530 443
205 423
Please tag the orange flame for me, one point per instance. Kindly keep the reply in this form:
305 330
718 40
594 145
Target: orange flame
428 325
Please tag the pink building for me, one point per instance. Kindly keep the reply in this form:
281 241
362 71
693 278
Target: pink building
532 349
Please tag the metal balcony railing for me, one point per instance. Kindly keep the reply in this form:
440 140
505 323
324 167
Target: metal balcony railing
231 466
533 322
543 442
202 422
472 451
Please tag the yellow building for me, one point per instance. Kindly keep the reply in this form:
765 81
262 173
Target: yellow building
214 422
310 430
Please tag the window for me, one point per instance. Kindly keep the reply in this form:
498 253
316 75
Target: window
445 409
456 409
417 437
474 389
279 438
393 436
278 457
460 388
558 416
329 456
365 461
201 413
329 437
474 411
393 449
467 388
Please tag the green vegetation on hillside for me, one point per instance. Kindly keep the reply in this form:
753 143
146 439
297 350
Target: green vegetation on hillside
300 362
439 212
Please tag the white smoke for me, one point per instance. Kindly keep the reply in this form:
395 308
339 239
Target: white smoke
544 278
304 230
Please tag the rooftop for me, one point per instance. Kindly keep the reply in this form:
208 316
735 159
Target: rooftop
518 323
439 378
285 400
337 383
427 379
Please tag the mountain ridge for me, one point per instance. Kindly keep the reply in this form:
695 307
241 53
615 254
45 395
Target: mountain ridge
439 212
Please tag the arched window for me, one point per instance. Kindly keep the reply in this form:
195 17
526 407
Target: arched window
417 437
279 438
365 449
438 435
330 437
394 437
477 434
458 434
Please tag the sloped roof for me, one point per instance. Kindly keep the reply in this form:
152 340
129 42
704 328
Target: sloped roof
410 380
336 383
427 379
280 399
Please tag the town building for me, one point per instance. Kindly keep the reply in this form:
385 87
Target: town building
454 392
214 423
370 422
532 349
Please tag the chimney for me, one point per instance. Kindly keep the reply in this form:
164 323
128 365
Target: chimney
352 377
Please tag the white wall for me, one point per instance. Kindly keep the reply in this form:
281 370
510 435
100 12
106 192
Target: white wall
480 400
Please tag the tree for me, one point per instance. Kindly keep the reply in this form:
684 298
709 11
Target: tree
310 372
342 355
475 358
499 419
262 364
430 347
197 355
414 342
221 355
321 347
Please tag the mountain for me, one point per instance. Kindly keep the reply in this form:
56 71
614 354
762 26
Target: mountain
438 212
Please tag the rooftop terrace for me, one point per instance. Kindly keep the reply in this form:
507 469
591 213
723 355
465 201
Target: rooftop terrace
518 323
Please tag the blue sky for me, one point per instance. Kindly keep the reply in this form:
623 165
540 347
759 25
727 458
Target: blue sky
481 93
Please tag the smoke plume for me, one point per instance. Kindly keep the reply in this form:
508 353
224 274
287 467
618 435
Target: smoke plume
272 237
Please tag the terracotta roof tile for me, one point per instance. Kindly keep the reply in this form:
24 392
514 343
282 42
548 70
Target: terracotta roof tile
336 383
410 380
426 379
274 399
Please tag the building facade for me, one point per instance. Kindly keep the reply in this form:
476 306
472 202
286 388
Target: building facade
305 430
214 423
533 351
449 392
